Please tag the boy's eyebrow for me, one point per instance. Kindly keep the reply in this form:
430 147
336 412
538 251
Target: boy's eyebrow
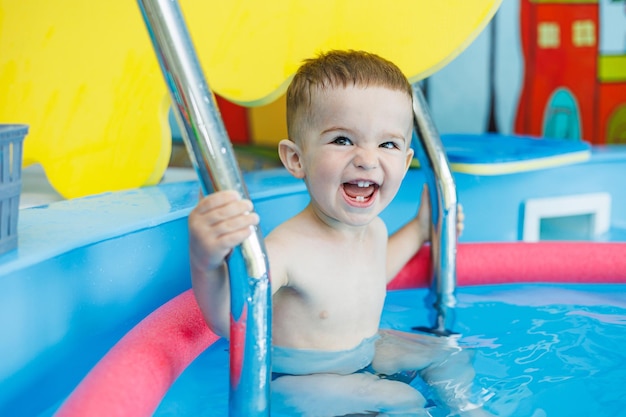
335 128
400 135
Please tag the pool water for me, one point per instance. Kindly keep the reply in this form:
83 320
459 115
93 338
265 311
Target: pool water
540 350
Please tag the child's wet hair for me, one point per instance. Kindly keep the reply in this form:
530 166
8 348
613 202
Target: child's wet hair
343 69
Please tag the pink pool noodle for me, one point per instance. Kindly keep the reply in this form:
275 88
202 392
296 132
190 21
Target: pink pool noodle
136 373
517 262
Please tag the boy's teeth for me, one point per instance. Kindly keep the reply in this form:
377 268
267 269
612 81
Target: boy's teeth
360 198
363 184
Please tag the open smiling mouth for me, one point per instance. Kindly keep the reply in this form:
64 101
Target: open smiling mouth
360 191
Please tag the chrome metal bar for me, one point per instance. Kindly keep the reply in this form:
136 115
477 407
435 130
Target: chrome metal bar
443 200
214 161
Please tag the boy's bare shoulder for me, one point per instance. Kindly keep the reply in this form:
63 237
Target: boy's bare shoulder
285 231
285 245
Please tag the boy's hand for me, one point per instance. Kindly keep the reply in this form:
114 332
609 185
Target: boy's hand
217 224
424 217
460 220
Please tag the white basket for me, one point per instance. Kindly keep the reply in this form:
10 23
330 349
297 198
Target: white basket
11 140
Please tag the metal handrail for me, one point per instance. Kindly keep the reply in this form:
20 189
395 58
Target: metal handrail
443 199
213 158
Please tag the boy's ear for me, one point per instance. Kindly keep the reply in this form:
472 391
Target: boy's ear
409 158
289 154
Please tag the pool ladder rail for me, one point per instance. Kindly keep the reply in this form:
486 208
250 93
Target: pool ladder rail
213 158
441 299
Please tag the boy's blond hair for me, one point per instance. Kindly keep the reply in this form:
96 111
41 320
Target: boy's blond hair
335 69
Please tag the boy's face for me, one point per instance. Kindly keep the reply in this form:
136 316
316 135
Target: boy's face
355 150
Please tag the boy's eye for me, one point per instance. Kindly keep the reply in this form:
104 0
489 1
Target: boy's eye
342 140
389 145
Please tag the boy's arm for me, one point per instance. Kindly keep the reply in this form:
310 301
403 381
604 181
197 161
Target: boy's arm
217 224
212 292
405 242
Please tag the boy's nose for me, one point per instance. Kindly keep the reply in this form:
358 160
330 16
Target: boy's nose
365 158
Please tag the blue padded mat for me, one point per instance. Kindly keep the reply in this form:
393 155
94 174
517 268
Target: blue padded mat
492 154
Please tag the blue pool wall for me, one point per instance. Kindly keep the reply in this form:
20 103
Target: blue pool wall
87 270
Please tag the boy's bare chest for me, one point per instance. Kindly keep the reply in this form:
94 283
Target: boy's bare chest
336 277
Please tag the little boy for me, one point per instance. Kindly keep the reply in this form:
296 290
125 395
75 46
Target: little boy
350 121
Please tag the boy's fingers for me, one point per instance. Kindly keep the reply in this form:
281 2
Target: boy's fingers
236 237
222 226
240 222
218 199
224 206
460 220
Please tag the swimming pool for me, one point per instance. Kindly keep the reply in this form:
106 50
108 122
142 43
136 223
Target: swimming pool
88 270
541 350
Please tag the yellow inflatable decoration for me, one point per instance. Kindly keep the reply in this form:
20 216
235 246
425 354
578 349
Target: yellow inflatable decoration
84 76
